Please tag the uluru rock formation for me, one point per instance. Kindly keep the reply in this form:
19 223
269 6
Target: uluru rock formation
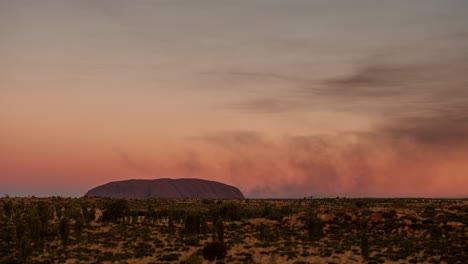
166 188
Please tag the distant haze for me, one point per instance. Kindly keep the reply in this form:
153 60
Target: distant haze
279 98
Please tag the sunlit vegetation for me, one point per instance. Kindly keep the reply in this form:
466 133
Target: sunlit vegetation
94 230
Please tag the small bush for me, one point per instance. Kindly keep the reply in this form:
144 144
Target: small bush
215 250
170 257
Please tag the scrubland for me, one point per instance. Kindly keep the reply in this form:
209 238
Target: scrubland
309 230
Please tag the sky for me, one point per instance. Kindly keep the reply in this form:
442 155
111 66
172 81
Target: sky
282 99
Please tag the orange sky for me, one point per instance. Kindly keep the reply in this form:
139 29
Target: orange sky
289 99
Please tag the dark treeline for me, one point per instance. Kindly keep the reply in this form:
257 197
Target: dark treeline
28 227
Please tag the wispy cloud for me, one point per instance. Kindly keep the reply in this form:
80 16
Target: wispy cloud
266 105
373 81
265 76
440 130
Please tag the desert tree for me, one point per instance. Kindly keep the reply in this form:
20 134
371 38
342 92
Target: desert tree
265 234
191 225
89 214
170 227
64 229
145 234
360 204
78 227
149 215
115 210
203 225
34 226
364 242
8 208
364 245
134 216
58 211
406 247
219 227
25 249
44 214
20 228
314 226
8 234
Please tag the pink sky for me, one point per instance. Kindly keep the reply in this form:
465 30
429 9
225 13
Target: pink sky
289 99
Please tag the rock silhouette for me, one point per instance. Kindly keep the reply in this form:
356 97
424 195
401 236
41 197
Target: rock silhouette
166 188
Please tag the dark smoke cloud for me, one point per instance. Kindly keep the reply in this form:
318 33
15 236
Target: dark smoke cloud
237 140
142 166
420 135
380 164
361 164
287 167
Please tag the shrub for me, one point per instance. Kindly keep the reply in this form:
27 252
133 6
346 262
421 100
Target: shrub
360 204
314 226
214 250
170 257
390 214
